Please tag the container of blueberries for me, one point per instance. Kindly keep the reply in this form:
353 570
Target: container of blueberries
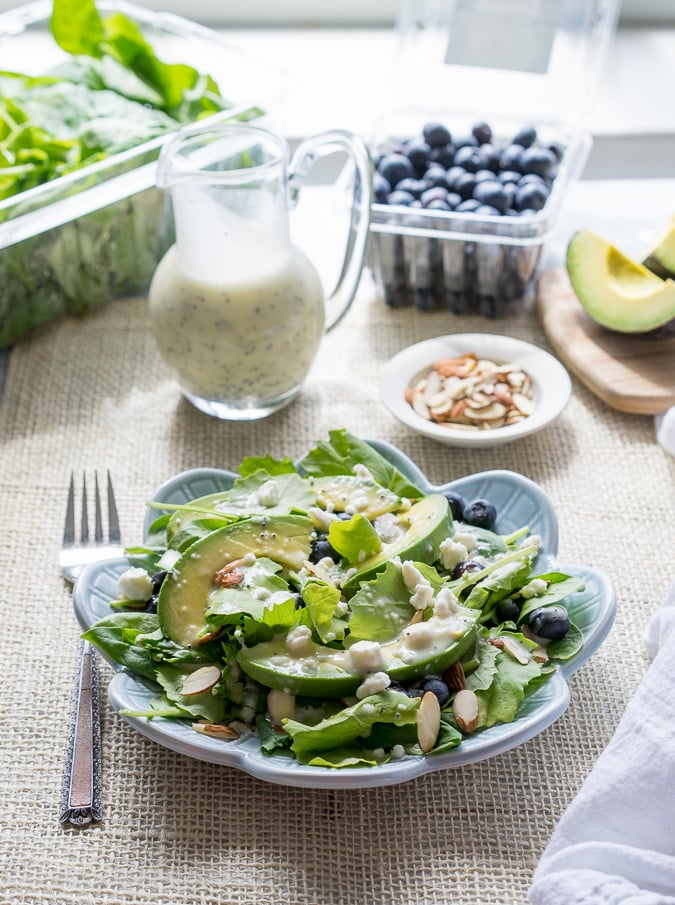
484 137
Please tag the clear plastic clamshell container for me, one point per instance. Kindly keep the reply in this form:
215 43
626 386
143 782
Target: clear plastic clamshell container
72 244
510 65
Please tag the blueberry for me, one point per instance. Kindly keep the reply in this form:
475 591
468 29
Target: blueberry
435 175
381 187
537 160
556 149
472 159
437 193
158 580
492 155
464 186
525 136
418 153
469 565
438 687
468 206
403 198
484 175
321 549
482 133
487 210
437 204
532 177
151 604
509 159
457 503
480 513
467 141
453 199
491 192
444 156
299 601
414 186
507 176
436 135
452 175
395 167
550 622
530 197
508 610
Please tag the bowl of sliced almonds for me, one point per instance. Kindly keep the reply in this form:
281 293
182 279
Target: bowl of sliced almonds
475 389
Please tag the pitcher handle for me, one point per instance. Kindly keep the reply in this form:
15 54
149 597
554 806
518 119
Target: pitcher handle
304 158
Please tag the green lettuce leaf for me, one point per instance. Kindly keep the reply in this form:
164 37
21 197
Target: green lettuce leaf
355 539
381 608
321 600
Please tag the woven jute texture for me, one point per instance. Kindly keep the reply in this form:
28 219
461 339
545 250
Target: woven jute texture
93 394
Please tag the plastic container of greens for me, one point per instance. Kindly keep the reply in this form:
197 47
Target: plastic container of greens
95 234
508 65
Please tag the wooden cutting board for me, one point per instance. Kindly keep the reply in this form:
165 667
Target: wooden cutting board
632 373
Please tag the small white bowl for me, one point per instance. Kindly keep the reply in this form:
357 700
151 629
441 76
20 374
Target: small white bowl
551 385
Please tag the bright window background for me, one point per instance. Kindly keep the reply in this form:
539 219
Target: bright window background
242 13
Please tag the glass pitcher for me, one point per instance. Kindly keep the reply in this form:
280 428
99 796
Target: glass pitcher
236 309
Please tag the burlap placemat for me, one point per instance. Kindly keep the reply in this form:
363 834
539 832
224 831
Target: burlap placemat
93 394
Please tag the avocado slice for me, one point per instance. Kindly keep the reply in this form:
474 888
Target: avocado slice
325 672
428 522
184 594
337 492
617 292
661 259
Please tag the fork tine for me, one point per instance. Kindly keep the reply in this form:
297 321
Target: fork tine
84 528
113 520
69 528
98 519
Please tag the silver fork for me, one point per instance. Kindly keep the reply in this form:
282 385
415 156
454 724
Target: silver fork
81 797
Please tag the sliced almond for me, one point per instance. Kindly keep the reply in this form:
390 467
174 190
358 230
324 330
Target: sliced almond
216 730
454 677
428 721
229 578
280 705
433 387
199 681
466 711
488 413
515 649
523 403
420 406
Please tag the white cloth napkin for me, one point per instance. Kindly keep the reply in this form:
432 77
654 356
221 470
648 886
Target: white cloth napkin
615 844
665 430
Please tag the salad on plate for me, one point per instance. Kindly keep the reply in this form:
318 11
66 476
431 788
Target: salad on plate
338 613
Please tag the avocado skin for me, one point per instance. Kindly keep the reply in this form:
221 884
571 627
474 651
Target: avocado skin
183 596
661 259
337 682
605 282
430 523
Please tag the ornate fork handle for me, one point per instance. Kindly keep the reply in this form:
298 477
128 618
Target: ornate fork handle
82 793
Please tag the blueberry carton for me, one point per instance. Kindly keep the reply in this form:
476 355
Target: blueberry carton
466 197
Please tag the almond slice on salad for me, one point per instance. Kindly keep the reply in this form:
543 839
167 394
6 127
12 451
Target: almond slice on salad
216 730
199 681
428 721
280 705
465 709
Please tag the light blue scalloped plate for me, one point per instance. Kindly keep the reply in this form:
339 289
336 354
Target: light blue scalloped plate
519 502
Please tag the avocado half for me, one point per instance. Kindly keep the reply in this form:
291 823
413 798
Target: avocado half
615 291
661 259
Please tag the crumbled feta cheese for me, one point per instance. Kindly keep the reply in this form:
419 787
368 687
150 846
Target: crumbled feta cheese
397 752
446 604
412 575
268 494
422 596
534 588
468 540
533 539
341 607
361 471
299 640
135 584
366 656
249 559
321 518
452 553
260 593
373 684
388 527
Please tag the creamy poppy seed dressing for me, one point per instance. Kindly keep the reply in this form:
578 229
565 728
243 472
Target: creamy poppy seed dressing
239 342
